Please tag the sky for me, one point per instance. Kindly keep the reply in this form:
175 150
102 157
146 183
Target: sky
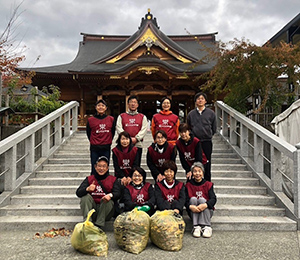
50 29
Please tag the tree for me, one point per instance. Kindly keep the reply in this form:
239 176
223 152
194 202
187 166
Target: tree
11 54
244 69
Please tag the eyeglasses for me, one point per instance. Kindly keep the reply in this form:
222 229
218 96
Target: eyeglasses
137 176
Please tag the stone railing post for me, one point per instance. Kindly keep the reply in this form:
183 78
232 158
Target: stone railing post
29 147
224 123
233 135
244 141
218 112
297 181
258 152
276 178
11 166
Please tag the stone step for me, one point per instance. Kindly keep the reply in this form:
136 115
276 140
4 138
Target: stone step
84 155
180 173
59 199
49 199
86 166
242 210
242 204
64 181
253 223
71 189
41 210
74 210
245 199
224 223
87 160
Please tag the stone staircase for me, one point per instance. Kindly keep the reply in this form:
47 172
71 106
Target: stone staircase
49 199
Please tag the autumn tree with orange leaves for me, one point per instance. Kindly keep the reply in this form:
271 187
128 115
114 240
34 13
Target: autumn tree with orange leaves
11 54
244 69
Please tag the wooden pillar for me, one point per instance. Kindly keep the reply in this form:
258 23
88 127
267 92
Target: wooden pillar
126 102
82 103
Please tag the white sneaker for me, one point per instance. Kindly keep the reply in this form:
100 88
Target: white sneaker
207 232
197 231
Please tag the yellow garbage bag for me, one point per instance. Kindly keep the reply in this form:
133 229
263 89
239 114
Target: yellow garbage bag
131 230
89 239
167 229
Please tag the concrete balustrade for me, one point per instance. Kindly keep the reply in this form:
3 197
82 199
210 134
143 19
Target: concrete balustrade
262 151
52 130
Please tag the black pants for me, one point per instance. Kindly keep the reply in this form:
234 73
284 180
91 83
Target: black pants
207 149
139 155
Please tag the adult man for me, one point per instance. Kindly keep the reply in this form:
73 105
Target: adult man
99 192
202 122
134 123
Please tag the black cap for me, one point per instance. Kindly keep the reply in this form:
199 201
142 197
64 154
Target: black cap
101 101
103 158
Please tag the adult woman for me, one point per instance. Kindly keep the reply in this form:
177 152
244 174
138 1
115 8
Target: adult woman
200 201
189 148
139 193
167 121
100 130
170 193
124 158
158 152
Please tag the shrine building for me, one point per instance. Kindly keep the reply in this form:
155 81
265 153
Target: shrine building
148 64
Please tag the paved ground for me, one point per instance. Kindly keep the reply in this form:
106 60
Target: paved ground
222 245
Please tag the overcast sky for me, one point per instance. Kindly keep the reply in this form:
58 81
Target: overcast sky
50 29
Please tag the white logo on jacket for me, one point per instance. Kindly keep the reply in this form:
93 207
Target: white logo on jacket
160 162
140 198
165 123
102 128
99 189
199 194
170 198
126 163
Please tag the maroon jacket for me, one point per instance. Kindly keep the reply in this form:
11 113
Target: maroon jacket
107 184
101 130
132 123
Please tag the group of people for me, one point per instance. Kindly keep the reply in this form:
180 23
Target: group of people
128 186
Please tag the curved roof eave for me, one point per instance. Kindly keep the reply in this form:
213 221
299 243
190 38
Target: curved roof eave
164 38
146 62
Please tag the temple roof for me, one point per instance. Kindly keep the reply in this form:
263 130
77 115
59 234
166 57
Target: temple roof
290 33
148 46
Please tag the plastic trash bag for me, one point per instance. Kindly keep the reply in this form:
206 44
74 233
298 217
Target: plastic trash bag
89 239
131 230
167 229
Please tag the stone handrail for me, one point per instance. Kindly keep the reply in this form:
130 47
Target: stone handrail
259 147
23 152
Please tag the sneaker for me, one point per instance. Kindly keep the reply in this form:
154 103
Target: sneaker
207 232
197 231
